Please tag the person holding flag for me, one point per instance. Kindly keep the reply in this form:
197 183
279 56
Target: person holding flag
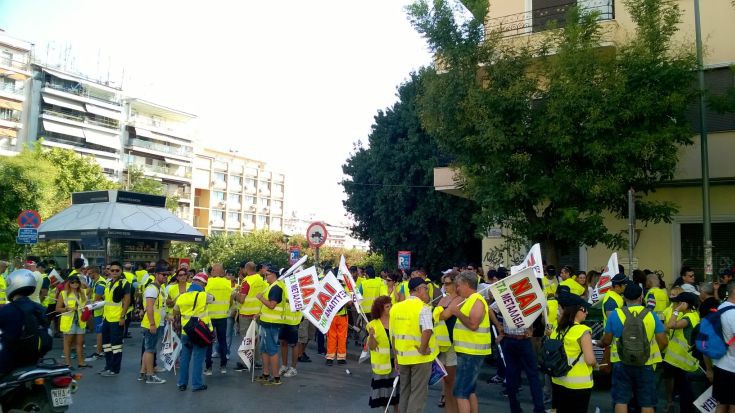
252 284
337 336
192 303
271 320
613 297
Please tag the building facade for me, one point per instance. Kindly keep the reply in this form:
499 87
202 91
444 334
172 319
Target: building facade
665 246
15 59
235 194
339 235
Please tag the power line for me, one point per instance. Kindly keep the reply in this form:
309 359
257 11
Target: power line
388 185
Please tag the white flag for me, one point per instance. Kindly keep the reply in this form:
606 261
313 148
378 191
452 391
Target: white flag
329 299
520 298
246 351
706 403
344 274
301 287
170 349
605 281
532 260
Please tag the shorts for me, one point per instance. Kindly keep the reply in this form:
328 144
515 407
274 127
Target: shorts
448 358
289 334
97 320
75 329
150 341
465 380
628 381
723 383
269 339
306 331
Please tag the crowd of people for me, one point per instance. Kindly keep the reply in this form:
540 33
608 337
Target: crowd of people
414 322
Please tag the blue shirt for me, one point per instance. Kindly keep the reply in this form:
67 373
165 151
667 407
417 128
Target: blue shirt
610 305
615 327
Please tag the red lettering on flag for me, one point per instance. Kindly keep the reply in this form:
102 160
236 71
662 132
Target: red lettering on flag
306 293
306 281
316 311
526 300
520 287
527 312
531 261
329 289
323 299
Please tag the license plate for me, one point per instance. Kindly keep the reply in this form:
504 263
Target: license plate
61 397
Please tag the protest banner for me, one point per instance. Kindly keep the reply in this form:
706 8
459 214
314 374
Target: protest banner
519 298
328 300
300 287
605 281
294 267
706 403
170 348
246 351
532 260
343 273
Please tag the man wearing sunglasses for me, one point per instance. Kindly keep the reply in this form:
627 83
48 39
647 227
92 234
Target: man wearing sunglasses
117 301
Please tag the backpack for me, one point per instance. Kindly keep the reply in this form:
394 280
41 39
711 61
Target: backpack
709 340
34 340
197 330
634 349
553 357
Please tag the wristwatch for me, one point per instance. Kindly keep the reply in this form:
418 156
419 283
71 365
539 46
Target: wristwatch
675 312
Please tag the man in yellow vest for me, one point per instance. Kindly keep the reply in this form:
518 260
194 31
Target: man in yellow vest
271 320
220 288
153 302
252 284
117 301
656 298
192 303
134 296
289 337
412 336
631 380
569 281
97 286
371 288
613 298
678 360
472 340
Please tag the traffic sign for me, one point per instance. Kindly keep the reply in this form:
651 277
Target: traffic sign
316 234
27 236
29 219
294 253
404 260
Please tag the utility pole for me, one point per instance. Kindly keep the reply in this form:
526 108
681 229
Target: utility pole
631 226
706 219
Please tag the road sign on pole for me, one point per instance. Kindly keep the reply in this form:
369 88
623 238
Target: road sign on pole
27 236
316 234
29 219
294 253
404 260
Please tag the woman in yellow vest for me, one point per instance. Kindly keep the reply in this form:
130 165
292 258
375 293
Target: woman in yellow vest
179 286
192 303
669 381
392 282
678 359
571 393
381 357
444 323
70 305
656 298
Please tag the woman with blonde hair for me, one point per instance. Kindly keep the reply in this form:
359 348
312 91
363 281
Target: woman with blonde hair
444 322
70 305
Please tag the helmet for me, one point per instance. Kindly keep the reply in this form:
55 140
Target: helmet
21 282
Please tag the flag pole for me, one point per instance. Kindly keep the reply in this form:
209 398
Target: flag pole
395 384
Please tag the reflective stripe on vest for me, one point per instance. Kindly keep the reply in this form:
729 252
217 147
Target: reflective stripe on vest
251 305
580 376
475 342
441 331
67 319
380 357
678 352
157 306
405 331
650 325
220 288
275 315
113 311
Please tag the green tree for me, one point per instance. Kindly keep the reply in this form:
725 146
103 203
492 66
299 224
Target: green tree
390 190
549 136
136 181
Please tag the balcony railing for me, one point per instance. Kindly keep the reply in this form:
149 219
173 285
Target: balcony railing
15 64
159 147
79 91
541 19
11 87
10 115
110 124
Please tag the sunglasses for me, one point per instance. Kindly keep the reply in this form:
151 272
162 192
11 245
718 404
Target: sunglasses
114 270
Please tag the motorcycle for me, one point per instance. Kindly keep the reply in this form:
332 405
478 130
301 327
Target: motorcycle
46 387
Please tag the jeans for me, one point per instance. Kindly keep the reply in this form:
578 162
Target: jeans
230 334
191 354
220 328
520 355
320 345
112 335
414 384
465 381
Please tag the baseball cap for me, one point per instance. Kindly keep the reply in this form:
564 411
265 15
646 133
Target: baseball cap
201 277
567 299
633 291
619 279
413 283
687 297
271 268
445 272
689 288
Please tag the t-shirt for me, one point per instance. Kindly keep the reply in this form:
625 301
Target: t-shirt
152 292
276 295
610 305
615 327
708 306
728 330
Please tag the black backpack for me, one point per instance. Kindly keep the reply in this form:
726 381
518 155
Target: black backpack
34 340
553 358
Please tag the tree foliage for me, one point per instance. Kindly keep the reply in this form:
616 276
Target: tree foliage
390 190
549 135
136 181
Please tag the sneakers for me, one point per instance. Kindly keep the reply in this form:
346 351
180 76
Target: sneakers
240 367
341 361
496 379
208 372
282 370
159 369
330 362
141 376
304 359
290 372
154 380
108 373
94 357
275 382
262 378
103 371
200 388
222 370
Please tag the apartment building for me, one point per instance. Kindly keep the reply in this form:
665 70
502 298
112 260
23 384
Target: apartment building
15 57
235 194
664 246
159 141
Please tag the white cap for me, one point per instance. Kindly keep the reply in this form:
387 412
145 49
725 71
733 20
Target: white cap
688 288
445 272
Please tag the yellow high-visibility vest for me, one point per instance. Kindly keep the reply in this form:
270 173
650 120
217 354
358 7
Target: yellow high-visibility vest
475 342
157 306
380 357
221 289
405 332
186 301
580 376
371 289
574 286
75 302
113 310
173 293
650 325
611 295
274 316
251 305
679 352
441 331
662 301
291 318
553 319
130 278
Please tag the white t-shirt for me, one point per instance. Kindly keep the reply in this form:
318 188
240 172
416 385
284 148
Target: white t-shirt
39 282
152 292
728 330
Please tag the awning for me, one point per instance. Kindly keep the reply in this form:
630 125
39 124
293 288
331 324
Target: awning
103 112
64 103
177 162
143 132
117 214
62 129
11 133
71 78
102 139
9 104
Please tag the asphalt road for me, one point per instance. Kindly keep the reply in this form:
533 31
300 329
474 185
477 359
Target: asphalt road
316 388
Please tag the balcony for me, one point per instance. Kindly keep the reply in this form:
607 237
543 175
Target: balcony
11 87
217 223
160 147
10 115
168 128
219 184
82 92
109 124
541 19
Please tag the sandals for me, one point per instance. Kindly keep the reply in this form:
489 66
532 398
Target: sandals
442 402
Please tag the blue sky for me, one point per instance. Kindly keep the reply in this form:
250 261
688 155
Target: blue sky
292 83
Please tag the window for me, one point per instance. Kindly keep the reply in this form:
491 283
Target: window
263 185
278 188
249 219
233 199
278 204
262 221
218 196
235 181
233 217
219 177
6 57
263 202
250 183
249 200
692 248
218 215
